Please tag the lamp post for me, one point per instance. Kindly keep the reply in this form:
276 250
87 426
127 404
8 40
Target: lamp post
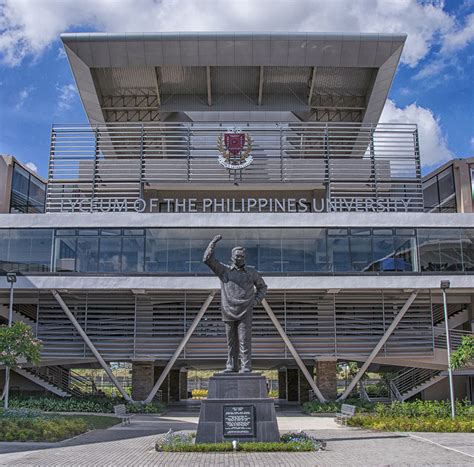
11 279
445 285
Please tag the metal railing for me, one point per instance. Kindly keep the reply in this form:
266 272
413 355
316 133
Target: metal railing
455 335
408 379
67 380
347 160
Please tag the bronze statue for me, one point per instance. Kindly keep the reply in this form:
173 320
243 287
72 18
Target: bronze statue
242 287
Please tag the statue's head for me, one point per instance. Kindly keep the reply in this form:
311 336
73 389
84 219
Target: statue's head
238 256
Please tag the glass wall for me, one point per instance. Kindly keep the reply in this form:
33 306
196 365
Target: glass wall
276 251
28 192
439 192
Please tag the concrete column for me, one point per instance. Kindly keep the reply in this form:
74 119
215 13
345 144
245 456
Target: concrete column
174 385
142 380
292 386
326 377
164 388
183 384
282 383
304 386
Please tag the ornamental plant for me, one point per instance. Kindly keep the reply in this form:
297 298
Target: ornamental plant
464 354
18 343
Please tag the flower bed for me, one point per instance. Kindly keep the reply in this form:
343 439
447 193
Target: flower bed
24 425
86 404
290 442
424 409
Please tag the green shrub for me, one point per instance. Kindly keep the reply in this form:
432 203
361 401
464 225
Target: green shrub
421 408
75 404
40 429
273 393
334 407
406 423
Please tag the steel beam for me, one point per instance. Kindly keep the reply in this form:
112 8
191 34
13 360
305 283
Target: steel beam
293 351
311 90
380 344
89 344
180 347
157 86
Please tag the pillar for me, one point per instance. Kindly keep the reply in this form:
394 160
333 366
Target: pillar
183 384
282 383
326 377
164 388
142 380
304 385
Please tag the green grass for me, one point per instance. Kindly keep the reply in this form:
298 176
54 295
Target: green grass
243 447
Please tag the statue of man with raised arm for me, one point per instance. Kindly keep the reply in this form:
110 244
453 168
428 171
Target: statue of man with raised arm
242 287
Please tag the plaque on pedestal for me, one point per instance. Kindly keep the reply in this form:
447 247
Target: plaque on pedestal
239 408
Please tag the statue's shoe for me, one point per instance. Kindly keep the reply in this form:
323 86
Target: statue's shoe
228 370
245 370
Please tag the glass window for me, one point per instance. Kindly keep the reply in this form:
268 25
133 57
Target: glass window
20 180
199 240
270 250
446 184
133 254
65 254
4 241
87 254
110 257
156 259
338 254
179 259
450 250
430 194
383 253
293 250
467 243
361 253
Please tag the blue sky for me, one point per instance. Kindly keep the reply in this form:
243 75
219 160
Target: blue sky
433 86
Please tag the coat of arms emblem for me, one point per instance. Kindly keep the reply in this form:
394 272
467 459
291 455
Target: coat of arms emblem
235 148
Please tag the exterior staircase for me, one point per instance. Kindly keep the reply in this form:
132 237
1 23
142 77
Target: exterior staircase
58 380
411 381
17 316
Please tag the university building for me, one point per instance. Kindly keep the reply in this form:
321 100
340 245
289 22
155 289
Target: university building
274 142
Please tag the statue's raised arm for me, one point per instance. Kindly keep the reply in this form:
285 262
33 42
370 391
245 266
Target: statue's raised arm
209 258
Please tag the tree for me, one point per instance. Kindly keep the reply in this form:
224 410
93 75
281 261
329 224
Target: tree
464 353
18 343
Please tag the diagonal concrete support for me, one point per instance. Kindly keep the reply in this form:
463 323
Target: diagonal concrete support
293 351
89 344
380 344
180 347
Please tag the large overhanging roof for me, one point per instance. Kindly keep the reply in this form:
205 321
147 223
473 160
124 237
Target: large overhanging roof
150 77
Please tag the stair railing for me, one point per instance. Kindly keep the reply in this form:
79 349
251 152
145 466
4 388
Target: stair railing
406 380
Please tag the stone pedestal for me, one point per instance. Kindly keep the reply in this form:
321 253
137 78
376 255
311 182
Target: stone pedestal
237 407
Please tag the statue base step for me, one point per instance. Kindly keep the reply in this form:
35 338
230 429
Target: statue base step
237 408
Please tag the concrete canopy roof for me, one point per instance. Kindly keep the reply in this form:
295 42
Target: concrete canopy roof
316 76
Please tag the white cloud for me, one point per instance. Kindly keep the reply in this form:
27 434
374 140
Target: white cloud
23 34
460 38
433 144
472 142
32 166
66 96
23 97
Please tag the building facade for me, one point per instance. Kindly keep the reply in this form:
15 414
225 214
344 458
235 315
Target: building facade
272 141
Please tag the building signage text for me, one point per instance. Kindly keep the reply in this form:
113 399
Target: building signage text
235 205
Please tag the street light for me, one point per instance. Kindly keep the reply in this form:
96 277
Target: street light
445 285
11 279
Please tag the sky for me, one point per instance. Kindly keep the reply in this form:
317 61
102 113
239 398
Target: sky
433 87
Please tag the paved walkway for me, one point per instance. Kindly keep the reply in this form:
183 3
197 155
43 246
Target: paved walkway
134 446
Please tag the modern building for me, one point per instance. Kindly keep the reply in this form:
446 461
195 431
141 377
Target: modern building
450 188
273 141
21 189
